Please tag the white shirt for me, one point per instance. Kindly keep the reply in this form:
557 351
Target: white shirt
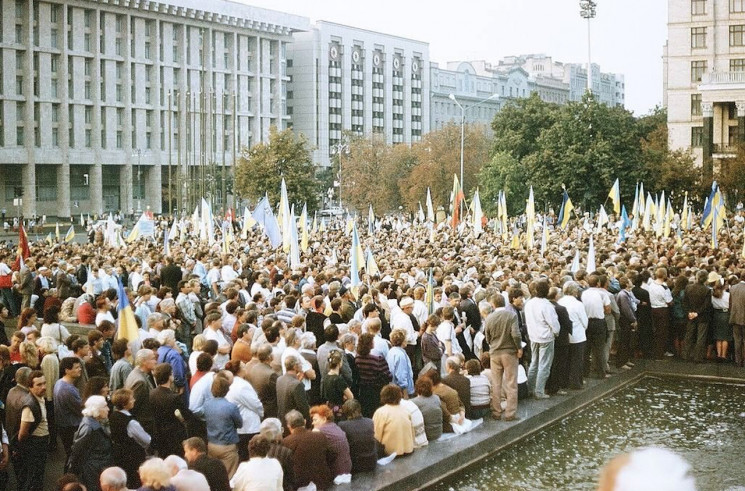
189 480
201 393
541 320
244 396
578 316
221 358
659 295
594 302
380 346
446 332
399 320
420 312
258 474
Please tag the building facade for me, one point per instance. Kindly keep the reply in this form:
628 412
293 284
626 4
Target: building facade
704 78
106 105
347 79
474 82
608 88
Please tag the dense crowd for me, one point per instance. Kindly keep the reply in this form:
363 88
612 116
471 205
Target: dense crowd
249 374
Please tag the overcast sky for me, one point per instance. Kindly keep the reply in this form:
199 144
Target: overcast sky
627 35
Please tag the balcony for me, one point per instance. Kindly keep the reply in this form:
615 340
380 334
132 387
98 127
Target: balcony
719 82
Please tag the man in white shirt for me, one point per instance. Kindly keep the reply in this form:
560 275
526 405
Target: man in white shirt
597 306
260 472
660 299
543 326
577 338
183 478
400 319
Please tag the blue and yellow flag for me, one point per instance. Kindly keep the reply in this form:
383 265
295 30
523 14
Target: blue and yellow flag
566 210
615 196
127 324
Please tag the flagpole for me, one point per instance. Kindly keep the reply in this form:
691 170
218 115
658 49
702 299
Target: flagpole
170 152
223 197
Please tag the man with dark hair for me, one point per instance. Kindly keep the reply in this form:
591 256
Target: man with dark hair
122 367
543 327
67 402
33 436
315 319
222 424
597 305
311 453
15 402
169 431
82 350
264 380
290 390
171 274
195 453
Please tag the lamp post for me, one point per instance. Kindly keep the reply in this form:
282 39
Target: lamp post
463 135
587 11
138 153
338 149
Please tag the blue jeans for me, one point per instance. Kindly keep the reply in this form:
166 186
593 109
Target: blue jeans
540 367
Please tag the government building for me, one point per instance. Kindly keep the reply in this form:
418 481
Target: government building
121 104
704 79
344 78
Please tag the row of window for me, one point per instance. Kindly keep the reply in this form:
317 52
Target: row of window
736 36
697 135
698 68
698 7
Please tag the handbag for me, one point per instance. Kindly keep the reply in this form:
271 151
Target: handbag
6 281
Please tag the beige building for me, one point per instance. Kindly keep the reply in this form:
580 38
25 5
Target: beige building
704 78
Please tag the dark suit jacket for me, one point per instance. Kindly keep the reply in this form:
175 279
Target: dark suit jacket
460 384
312 455
141 384
565 325
214 470
314 323
291 395
170 275
169 432
473 316
264 381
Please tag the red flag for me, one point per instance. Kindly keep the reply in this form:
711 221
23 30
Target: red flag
23 250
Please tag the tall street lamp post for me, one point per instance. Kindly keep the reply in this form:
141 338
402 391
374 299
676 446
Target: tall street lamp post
587 10
463 136
138 153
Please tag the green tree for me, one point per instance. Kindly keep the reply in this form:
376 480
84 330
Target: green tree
261 168
503 173
519 124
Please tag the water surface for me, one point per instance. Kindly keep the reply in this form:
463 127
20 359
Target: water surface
704 422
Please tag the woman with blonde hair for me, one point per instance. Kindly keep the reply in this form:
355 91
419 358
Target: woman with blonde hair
91 448
155 476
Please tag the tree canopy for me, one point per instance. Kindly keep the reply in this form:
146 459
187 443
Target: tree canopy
261 168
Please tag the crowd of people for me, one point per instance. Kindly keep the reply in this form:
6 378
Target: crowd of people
248 374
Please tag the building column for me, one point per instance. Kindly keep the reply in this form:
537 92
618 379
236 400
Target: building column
153 189
29 190
63 190
126 188
740 120
707 108
95 181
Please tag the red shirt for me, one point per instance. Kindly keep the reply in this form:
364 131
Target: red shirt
86 314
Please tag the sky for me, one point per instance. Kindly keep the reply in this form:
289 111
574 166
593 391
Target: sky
627 35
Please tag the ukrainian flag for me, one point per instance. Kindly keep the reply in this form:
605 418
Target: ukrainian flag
127 324
70 235
566 210
615 196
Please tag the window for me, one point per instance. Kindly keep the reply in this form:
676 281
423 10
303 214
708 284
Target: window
87 18
737 35
79 190
19 34
87 138
697 70
55 137
696 105
118 46
698 37
736 6
54 14
53 36
20 138
87 90
46 183
697 136
737 65
19 85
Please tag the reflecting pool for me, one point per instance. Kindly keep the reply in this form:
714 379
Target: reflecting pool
704 422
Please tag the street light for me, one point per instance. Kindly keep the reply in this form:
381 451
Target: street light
587 11
338 149
138 153
463 136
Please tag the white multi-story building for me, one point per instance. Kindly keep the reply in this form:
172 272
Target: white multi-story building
704 78
608 88
107 104
483 89
347 79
